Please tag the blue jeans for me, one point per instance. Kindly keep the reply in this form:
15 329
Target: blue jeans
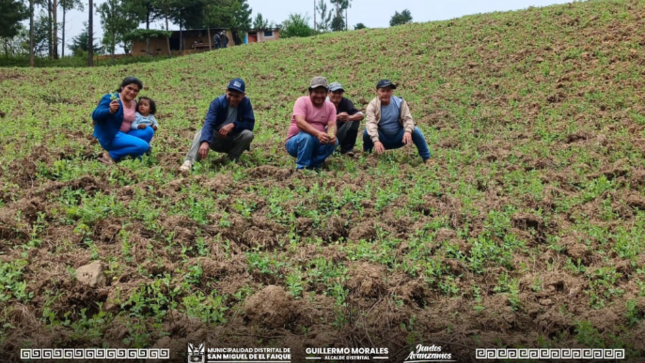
396 141
308 151
133 143
146 134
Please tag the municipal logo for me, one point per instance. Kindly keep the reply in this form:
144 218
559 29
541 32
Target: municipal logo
196 354
202 354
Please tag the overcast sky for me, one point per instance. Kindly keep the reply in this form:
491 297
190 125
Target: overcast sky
372 13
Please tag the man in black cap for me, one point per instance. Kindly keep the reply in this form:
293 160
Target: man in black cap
390 125
228 127
348 119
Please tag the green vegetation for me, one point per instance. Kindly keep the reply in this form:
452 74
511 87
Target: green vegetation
401 18
526 231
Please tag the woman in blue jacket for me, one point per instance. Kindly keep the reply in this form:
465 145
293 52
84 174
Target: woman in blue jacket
112 119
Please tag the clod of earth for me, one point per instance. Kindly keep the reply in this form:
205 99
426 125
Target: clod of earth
271 307
91 275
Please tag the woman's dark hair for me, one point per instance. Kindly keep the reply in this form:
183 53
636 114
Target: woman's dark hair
153 105
130 80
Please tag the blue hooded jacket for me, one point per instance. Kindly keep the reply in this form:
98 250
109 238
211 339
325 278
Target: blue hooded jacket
106 125
217 113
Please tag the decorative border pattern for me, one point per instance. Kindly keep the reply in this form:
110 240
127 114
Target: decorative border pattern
94 353
528 353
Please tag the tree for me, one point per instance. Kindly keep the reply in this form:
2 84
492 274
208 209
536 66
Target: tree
80 43
349 5
339 23
359 26
401 18
52 26
324 24
17 45
189 14
67 5
144 11
31 33
209 18
241 21
11 14
54 6
296 26
90 35
315 26
261 23
41 38
117 21
47 5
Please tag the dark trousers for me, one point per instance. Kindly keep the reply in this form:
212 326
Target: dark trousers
233 145
347 134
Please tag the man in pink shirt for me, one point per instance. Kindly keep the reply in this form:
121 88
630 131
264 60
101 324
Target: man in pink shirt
312 133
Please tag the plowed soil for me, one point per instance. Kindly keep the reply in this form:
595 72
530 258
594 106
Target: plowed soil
525 231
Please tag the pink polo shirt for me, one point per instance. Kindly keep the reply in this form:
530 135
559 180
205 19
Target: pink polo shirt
129 114
318 117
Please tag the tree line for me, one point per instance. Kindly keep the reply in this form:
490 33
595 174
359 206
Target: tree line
330 18
121 19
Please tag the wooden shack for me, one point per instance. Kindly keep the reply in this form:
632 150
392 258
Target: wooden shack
196 39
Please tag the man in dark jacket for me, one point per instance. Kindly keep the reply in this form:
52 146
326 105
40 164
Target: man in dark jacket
217 40
228 127
224 39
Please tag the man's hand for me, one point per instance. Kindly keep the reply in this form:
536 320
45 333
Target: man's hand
407 138
323 137
141 126
343 116
114 106
225 130
203 150
154 127
378 146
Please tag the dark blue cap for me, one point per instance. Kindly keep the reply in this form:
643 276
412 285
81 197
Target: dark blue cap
385 83
237 85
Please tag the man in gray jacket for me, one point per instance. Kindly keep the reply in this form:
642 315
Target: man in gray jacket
390 125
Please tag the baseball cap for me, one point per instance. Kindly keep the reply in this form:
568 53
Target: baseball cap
385 83
318 82
335 86
237 85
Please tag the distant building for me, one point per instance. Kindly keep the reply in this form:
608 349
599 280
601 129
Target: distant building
261 35
194 40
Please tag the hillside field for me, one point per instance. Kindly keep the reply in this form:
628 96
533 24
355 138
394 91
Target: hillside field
527 230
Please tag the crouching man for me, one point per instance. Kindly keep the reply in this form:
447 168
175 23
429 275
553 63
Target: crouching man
348 119
389 123
228 127
312 133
